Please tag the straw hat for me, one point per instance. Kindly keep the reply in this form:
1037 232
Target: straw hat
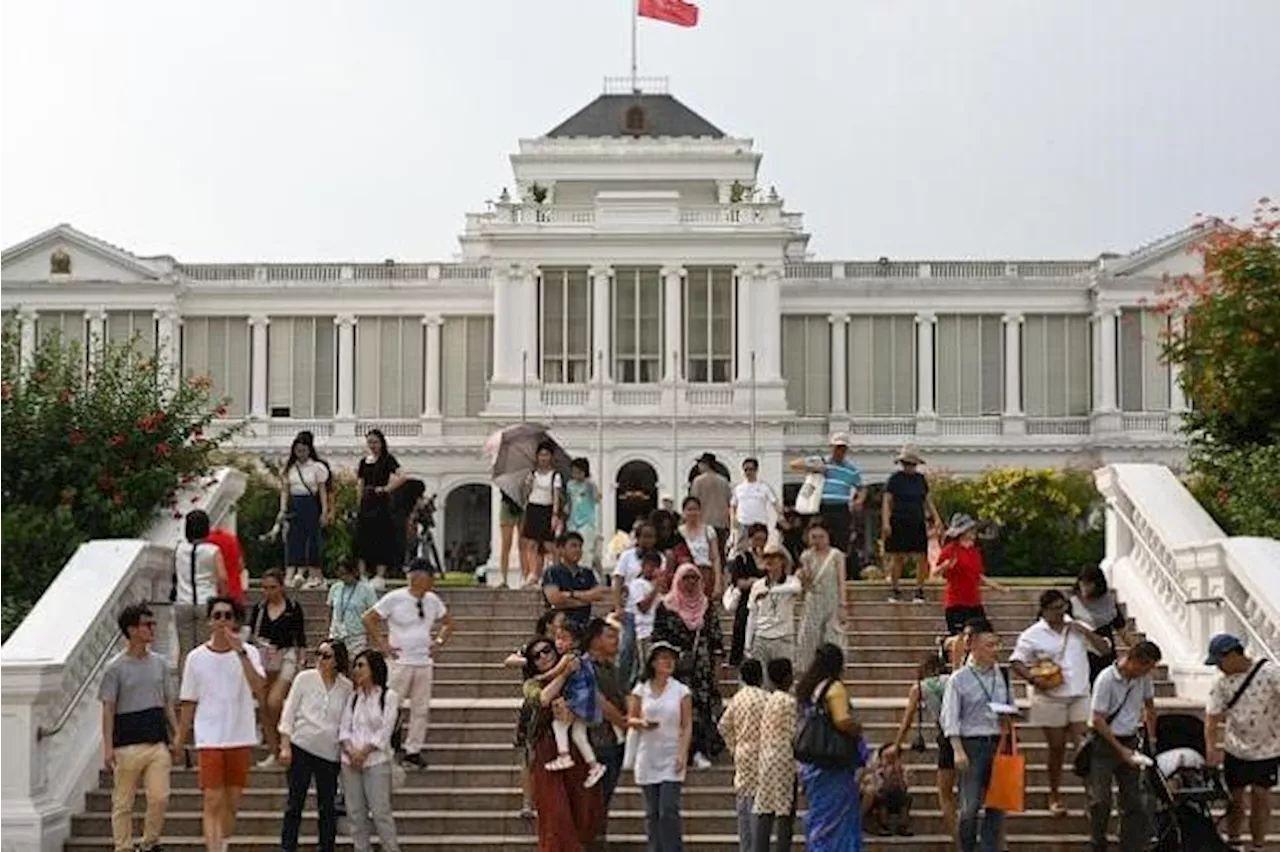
909 455
773 548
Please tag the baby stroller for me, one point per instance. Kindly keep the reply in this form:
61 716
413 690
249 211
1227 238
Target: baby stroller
1184 790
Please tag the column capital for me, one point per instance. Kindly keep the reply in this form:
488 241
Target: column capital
747 270
668 271
260 320
600 270
522 270
1013 318
99 314
772 270
345 321
26 312
168 313
838 318
1106 311
432 320
926 318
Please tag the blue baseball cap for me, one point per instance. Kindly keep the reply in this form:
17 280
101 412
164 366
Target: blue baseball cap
1220 646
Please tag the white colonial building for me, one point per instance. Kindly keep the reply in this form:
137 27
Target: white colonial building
640 294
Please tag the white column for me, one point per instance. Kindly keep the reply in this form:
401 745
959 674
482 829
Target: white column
602 324
1107 319
505 369
769 343
1177 399
26 337
431 370
839 363
96 336
167 324
926 324
748 325
1013 365
346 366
529 281
673 322
258 366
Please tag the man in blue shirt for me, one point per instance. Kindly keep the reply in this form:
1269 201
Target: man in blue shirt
569 586
842 492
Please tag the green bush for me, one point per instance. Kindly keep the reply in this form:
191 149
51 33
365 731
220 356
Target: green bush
1240 488
91 454
1050 521
257 511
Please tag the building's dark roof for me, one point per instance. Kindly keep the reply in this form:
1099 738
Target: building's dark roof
663 115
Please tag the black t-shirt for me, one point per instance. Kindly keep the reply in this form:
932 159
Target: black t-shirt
909 491
372 475
287 631
568 579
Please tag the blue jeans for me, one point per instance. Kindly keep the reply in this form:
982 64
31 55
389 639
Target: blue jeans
973 789
746 822
662 817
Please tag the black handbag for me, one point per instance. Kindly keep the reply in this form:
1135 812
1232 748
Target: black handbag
820 743
1082 763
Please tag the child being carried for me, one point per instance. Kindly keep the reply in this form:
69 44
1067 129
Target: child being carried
579 709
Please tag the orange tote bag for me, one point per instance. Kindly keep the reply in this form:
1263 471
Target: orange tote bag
1008 788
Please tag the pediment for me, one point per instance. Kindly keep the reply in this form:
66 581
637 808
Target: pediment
64 254
1171 256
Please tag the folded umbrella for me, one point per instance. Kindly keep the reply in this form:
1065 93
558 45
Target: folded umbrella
515 454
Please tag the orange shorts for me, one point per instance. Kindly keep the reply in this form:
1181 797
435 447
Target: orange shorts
224 767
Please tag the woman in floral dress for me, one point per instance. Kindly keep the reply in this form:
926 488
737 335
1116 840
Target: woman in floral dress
821 576
686 619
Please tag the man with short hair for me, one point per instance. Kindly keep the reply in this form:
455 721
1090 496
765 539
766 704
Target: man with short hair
842 493
137 717
972 721
1123 703
752 501
1246 696
220 682
714 494
570 586
411 614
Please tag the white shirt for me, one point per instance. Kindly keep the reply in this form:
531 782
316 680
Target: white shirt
366 722
206 569
753 500
637 590
543 487
307 478
1253 726
312 713
1068 649
216 683
699 542
657 748
628 567
773 607
408 631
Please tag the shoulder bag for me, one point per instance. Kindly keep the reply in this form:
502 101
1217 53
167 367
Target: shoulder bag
820 743
1235 699
272 657
1083 760
809 500
1050 670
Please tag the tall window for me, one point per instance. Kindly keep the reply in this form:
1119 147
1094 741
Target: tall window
806 363
468 344
637 325
566 325
881 362
1056 363
218 347
124 326
969 365
708 324
301 364
70 326
1144 376
389 367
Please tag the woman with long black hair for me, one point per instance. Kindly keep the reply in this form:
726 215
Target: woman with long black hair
835 813
304 503
377 543
368 720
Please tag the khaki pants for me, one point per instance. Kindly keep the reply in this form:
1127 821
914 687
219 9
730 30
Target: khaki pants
150 765
413 683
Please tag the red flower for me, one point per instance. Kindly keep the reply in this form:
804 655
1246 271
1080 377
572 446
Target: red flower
220 411
6 390
116 440
106 482
1223 495
163 450
147 423
177 515
64 396
117 498
76 437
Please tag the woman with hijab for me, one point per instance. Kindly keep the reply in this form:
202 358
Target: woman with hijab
686 620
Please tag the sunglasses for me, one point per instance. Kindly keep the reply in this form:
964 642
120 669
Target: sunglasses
223 615
544 651
421 613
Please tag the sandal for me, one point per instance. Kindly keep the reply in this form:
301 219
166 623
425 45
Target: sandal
1057 810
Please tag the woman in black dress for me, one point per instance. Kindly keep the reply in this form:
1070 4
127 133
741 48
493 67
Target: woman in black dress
903 521
744 570
376 540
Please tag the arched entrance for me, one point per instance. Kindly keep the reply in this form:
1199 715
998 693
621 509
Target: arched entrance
466 540
637 490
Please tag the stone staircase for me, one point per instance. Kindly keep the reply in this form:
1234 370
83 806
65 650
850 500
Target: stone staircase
469 796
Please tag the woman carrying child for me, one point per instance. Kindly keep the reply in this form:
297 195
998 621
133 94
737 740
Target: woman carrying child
580 709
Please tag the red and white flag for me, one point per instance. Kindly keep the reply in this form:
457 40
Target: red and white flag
676 12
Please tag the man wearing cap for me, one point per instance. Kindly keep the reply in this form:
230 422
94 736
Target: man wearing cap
1246 695
715 494
411 614
842 492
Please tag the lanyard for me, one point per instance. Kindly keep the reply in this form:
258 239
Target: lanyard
995 673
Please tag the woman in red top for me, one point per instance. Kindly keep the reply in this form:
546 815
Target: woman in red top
960 562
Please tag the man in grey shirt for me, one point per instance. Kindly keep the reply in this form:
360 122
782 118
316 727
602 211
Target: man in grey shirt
137 718
970 720
714 493
1123 702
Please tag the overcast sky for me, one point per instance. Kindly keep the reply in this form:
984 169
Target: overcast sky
364 129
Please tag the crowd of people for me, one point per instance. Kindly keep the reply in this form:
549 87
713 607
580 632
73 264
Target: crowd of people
624 670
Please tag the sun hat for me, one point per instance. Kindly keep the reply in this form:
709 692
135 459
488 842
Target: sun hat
839 439
909 455
1222 645
773 548
960 524
663 645
707 458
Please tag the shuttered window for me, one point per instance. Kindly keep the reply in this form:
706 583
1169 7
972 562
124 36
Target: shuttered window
566 325
1144 377
123 327
70 326
1056 364
708 324
301 367
969 365
389 367
881 364
218 347
637 325
466 345
806 363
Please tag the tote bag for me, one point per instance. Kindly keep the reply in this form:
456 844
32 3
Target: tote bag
1008 788
809 500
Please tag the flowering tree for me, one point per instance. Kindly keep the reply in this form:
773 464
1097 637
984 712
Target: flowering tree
1228 346
91 453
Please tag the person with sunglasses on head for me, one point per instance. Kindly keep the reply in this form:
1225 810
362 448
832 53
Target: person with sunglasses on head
309 728
411 614
364 738
221 681
349 599
137 717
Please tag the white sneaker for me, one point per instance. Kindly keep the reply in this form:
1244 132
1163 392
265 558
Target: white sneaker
314 583
594 774
700 761
296 580
267 762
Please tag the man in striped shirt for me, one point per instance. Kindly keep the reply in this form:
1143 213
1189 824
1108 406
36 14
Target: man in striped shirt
842 491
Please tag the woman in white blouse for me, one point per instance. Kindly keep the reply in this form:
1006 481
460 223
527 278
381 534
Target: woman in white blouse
309 728
543 513
365 740
304 502
660 709
199 573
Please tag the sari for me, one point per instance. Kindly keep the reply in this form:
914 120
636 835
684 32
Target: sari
834 823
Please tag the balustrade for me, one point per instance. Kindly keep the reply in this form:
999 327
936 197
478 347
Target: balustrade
1145 421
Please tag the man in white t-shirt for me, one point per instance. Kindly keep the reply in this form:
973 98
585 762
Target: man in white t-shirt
411 615
220 681
752 501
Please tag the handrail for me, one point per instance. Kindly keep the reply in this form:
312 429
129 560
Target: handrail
1187 600
44 733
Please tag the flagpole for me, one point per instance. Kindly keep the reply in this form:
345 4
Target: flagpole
635 17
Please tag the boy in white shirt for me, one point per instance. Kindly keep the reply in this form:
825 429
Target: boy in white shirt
643 592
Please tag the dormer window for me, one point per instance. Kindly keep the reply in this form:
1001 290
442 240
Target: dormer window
634 120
